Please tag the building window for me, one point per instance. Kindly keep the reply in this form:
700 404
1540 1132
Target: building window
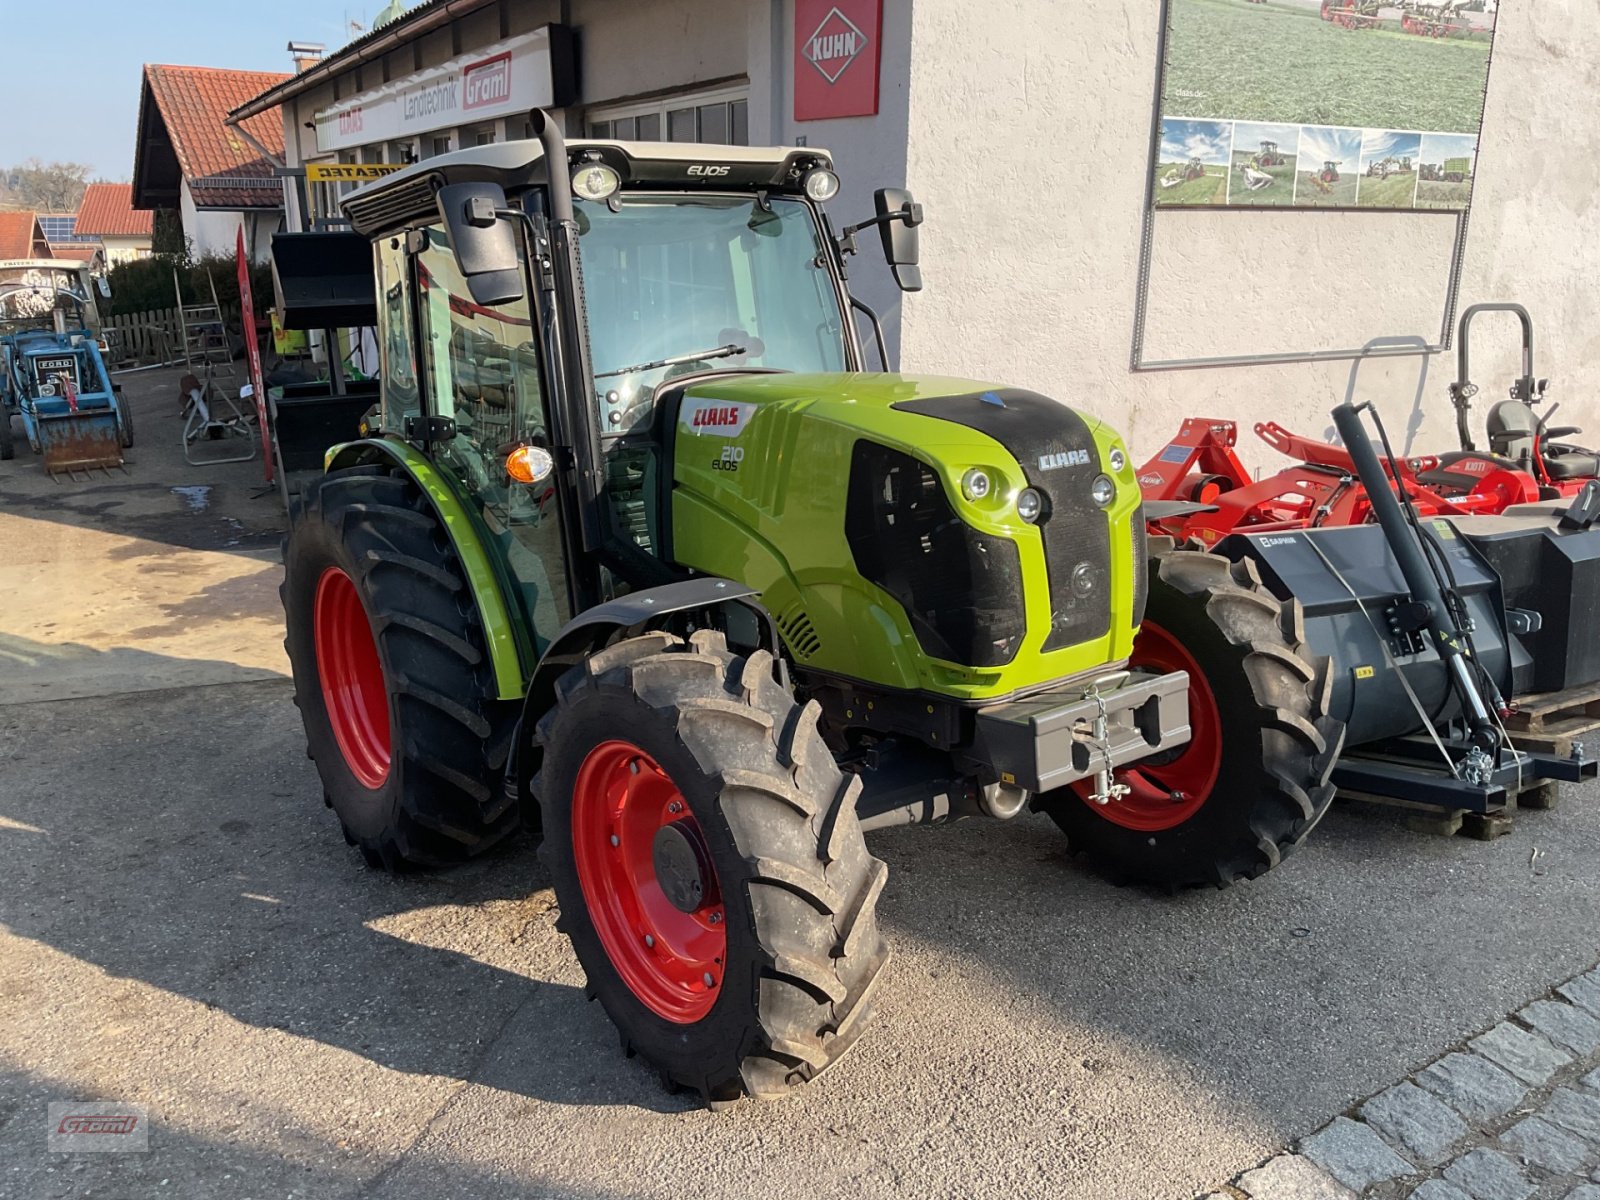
438 145
721 117
483 135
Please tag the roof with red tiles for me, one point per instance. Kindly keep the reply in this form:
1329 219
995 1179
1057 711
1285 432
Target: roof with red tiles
21 237
106 210
76 251
192 103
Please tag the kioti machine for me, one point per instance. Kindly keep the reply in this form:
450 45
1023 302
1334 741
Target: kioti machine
641 555
52 372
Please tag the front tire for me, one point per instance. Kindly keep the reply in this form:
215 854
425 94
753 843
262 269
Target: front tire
392 674
1252 781
709 866
8 439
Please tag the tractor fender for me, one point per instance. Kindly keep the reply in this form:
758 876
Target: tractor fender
510 646
651 608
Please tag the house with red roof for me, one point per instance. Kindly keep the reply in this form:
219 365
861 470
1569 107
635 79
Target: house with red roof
21 236
106 213
219 178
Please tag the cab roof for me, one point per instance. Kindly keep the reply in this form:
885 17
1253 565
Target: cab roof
519 165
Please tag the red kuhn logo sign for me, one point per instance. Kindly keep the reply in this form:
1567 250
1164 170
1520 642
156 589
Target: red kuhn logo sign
836 58
487 83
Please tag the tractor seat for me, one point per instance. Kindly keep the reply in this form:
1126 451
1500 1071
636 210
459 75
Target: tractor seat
1572 464
1511 427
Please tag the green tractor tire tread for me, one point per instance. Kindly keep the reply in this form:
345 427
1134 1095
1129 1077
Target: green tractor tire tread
810 885
450 738
1279 743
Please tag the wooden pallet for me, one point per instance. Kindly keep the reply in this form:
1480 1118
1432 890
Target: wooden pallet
1447 822
1552 721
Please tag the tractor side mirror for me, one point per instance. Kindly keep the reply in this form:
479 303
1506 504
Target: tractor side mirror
898 218
485 245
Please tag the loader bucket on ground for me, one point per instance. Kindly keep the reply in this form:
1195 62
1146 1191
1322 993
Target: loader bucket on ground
85 440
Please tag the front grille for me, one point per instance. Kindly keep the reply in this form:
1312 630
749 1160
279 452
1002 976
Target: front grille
1059 458
961 589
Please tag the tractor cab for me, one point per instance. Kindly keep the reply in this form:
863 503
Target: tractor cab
698 263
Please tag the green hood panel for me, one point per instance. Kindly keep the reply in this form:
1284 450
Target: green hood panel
762 471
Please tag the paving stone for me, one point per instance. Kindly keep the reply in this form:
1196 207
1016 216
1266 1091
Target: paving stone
1474 1086
1574 1111
1439 1189
1291 1177
1591 1080
1584 1191
1528 1056
1542 1144
1353 1154
1416 1121
1564 1025
1584 991
1486 1175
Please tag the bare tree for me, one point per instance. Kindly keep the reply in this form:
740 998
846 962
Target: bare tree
47 187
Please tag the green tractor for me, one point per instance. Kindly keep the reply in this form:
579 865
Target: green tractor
640 555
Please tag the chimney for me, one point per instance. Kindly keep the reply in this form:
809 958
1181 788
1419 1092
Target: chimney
306 55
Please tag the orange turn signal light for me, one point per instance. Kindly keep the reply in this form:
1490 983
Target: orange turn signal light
529 464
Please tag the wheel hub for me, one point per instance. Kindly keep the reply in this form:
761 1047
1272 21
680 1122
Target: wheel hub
680 864
649 882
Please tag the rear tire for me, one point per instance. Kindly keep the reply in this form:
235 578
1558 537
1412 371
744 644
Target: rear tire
425 788
786 869
125 416
1264 746
8 440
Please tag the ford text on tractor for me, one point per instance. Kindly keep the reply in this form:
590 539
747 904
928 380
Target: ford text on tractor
640 552
52 372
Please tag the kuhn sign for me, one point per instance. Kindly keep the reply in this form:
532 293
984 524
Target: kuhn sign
836 58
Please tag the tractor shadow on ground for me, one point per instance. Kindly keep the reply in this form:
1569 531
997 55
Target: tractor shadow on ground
191 852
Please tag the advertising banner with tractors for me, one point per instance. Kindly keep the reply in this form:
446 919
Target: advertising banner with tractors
1370 104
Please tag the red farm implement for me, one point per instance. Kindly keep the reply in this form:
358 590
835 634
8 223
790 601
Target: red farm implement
1356 14
1197 487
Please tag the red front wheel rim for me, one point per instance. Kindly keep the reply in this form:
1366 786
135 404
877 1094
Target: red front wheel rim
673 961
1167 793
353 688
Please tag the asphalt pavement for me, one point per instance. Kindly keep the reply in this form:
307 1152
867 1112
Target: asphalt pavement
182 926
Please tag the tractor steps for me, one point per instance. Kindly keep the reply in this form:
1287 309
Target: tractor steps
1553 721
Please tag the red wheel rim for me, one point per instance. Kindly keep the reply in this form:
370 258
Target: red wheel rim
1166 794
353 688
671 960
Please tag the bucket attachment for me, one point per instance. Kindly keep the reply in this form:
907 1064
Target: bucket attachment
85 440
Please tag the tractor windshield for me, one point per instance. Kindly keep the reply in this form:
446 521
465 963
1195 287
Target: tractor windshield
30 295
709 282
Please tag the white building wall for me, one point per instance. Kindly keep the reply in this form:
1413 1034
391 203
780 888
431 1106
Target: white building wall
1029 142
214 232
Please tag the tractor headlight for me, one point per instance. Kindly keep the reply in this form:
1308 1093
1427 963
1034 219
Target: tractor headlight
821 184
1119 460
594 181
976 484
1103 490
1030 505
